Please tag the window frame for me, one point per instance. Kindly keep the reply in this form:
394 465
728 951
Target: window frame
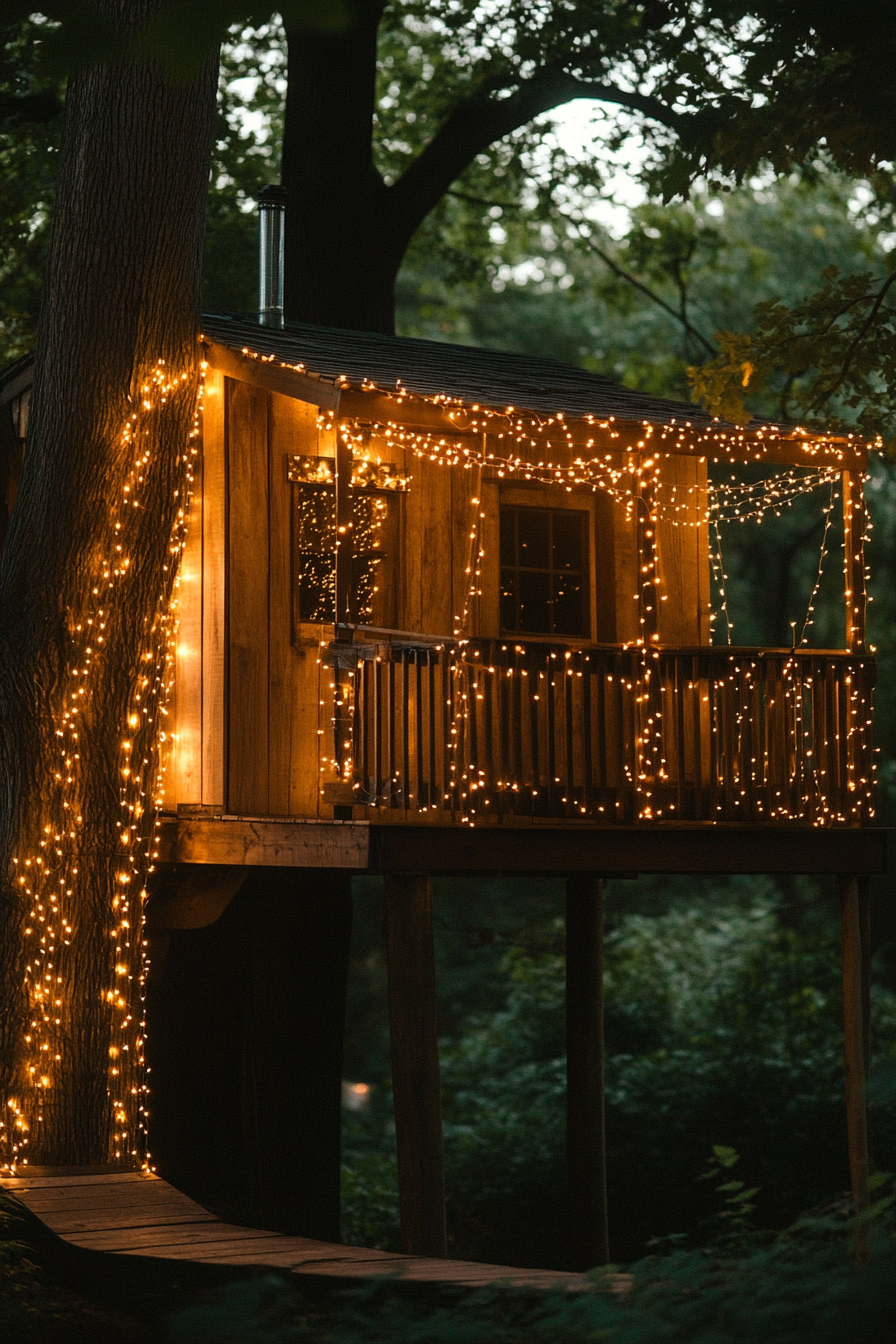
550 513
524 494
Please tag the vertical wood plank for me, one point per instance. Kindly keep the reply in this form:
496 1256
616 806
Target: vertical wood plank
247 599
292 662
625 554
683 551
213 590
407 902
186 785
604 569
852 890
585 1120
649 587
854 560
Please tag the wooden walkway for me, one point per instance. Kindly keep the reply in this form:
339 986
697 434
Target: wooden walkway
127 1213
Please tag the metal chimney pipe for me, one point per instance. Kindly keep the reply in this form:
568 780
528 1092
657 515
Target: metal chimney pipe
271 212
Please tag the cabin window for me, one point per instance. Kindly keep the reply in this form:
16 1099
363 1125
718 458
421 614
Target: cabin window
544 566
374 547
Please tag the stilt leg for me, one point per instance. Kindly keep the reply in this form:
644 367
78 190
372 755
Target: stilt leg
585 1128
415 1062
854 1047
300 930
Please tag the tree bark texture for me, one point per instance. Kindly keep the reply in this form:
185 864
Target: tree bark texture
342 251
87 572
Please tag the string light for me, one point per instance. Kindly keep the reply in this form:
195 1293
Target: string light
652 698
49 879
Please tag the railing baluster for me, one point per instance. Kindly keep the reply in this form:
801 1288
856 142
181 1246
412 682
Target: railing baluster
588 798
742 735
405 789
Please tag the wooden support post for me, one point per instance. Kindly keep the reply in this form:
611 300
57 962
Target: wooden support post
407 905
585 1124
854 560
299 933
196 1009
853 896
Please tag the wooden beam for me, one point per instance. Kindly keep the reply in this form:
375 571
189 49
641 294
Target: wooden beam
407 902
397 847
272 376
586 1157
272 843
853 893
619 850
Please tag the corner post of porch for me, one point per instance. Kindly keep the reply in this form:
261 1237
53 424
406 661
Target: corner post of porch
407 905
585 1120
854 915
648 566
854 560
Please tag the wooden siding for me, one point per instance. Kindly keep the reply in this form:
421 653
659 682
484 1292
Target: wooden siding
274 719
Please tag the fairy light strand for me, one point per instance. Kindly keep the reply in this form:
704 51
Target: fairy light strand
49 879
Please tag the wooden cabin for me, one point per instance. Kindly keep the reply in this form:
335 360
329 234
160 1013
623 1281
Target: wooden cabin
444 609
439 586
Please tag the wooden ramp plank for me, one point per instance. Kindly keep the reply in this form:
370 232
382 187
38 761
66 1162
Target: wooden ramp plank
174 1235
128 1213
15 1183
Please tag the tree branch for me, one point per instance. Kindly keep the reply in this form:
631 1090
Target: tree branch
480 120
854 344
653 296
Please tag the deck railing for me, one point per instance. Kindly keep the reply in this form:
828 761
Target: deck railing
478 729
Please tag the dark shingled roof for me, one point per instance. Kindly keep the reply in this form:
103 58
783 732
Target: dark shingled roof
490 378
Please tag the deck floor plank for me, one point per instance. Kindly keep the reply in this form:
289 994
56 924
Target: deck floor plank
128 1213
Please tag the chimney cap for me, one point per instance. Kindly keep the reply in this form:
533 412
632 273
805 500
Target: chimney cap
271 197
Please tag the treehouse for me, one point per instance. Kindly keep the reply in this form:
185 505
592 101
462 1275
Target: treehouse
451 610
444 588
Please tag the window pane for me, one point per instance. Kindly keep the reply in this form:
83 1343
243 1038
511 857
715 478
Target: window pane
370 541
509 616
534 538
567 549
317 587
535 602
568 605
508 537
544 567
315 558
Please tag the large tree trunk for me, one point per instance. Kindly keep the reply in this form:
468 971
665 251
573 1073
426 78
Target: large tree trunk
343 248
87 572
